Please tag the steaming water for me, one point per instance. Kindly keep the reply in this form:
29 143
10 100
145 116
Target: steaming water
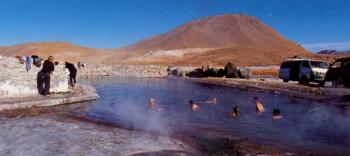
306 125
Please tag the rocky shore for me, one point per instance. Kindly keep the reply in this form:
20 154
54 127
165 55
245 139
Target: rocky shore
80 94
60 133
278 87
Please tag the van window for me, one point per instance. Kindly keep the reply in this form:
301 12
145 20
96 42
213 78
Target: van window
336 65
319 64
306 64
296 64
346 64
285 65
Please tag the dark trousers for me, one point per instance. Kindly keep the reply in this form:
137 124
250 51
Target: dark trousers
43 83
72 78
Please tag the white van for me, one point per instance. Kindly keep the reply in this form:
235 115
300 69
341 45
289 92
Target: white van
303 71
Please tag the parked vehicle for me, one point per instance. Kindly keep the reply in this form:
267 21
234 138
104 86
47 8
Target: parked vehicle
303 70
339 72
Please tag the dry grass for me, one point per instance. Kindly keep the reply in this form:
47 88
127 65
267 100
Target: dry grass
272 72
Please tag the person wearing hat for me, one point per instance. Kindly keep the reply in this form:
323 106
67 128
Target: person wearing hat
44 76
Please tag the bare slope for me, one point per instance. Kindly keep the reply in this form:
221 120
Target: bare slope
232 37
238 38
60 50
231 30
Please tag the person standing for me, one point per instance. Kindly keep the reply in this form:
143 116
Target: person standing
72 74
44 76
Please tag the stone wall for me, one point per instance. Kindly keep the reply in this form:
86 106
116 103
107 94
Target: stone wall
140 70
94 70
16 81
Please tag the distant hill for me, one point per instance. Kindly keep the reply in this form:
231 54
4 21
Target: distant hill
62 51
334 52
238 38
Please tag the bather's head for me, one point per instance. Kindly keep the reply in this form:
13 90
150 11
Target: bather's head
50 58
152 102
256 99
191 102
236 110
276 112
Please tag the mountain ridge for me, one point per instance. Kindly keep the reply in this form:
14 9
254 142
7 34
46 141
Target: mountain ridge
215 39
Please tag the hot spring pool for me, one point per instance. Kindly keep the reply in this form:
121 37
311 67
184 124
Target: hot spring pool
306 125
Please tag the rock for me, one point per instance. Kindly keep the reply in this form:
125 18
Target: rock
16 81
231 70
139 70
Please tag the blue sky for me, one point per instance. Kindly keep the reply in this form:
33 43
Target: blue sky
316 24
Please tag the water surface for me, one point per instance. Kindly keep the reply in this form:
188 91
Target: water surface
306 125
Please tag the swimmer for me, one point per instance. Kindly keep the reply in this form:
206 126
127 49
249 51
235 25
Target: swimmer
153 105
193 105
235 111
211 101
276 114
259 105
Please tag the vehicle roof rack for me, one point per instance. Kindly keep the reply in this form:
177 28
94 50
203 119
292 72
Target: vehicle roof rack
296 58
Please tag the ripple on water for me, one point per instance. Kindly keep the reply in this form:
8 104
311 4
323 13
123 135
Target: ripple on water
306 125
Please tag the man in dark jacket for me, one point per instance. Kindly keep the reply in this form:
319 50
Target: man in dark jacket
72 74
44 76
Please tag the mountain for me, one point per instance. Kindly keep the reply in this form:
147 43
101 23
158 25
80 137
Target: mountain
334 52
238 38
217 39
62 51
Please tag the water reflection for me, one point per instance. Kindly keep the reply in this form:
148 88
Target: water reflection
305 124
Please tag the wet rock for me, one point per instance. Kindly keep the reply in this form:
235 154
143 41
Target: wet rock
55 134
232 71
80 94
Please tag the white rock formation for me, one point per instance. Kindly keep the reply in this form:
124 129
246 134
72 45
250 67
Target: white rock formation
16 81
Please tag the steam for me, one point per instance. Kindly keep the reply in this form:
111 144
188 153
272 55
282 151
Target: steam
140 116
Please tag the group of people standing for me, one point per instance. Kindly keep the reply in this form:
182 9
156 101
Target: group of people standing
44 75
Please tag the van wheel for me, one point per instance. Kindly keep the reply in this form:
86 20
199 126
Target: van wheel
285 80
304 80
340 81
346 83
322 83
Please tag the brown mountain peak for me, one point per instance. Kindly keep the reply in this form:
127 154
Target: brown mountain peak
229 30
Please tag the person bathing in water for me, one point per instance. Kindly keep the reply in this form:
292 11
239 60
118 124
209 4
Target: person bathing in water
153 105
259 105
276 113
235 112
194 106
